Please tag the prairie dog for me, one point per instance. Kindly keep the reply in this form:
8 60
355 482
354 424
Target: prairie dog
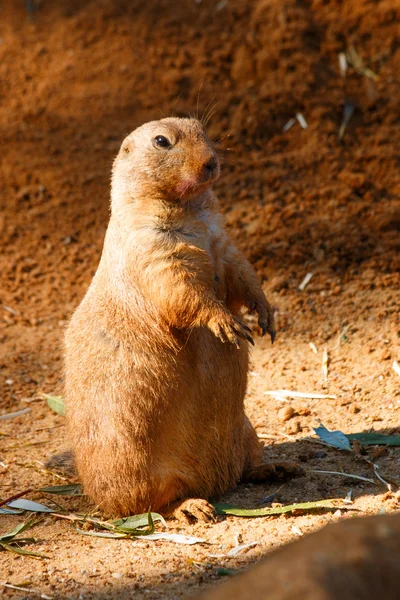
156 354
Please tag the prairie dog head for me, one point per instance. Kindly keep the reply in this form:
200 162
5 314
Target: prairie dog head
171 159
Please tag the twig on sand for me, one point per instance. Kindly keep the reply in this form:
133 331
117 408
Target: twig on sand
11 415
295 394
324 368
27 590
305 281
16 496
396 367
342 474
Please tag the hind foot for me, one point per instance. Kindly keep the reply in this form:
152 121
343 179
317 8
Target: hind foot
272 471
191 511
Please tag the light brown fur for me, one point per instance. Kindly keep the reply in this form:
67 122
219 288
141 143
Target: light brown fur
154 397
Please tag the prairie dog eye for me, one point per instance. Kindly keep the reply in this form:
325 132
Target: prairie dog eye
160 141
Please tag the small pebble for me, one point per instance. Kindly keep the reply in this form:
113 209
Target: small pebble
117 575
294 428
286 413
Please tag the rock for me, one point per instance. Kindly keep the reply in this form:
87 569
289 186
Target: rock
286 413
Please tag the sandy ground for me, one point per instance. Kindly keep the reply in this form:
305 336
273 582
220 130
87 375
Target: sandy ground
74 80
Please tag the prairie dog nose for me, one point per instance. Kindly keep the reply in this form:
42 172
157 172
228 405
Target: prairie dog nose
209 167
211 164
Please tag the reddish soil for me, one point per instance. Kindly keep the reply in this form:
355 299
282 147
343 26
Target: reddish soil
75 78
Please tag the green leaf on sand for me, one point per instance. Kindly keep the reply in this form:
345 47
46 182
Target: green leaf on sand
24 504
133 526
9 543
103 534
56 404
374 439
6 537
337 439
340 440
225 572
18 550
130 523
228 509
71 489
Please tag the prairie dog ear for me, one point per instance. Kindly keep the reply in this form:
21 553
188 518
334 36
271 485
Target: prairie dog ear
127 147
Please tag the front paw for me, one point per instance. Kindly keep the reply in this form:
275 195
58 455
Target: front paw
266 320
229 328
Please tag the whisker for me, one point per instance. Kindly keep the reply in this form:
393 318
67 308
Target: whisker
175 105
211 113
221 138
206 109
198 100
230 162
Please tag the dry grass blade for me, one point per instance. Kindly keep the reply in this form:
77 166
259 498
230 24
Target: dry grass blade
348 111
9 309
235 551
385 483
294 394
357 62
288 125
342 64
324 367
396 367
358 477
22 588
305 281
12 415
301 120
177 538
104 534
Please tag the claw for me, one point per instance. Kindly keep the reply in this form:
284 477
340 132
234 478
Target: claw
234 340
250 339
273 336
264 329
222 336
240 325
